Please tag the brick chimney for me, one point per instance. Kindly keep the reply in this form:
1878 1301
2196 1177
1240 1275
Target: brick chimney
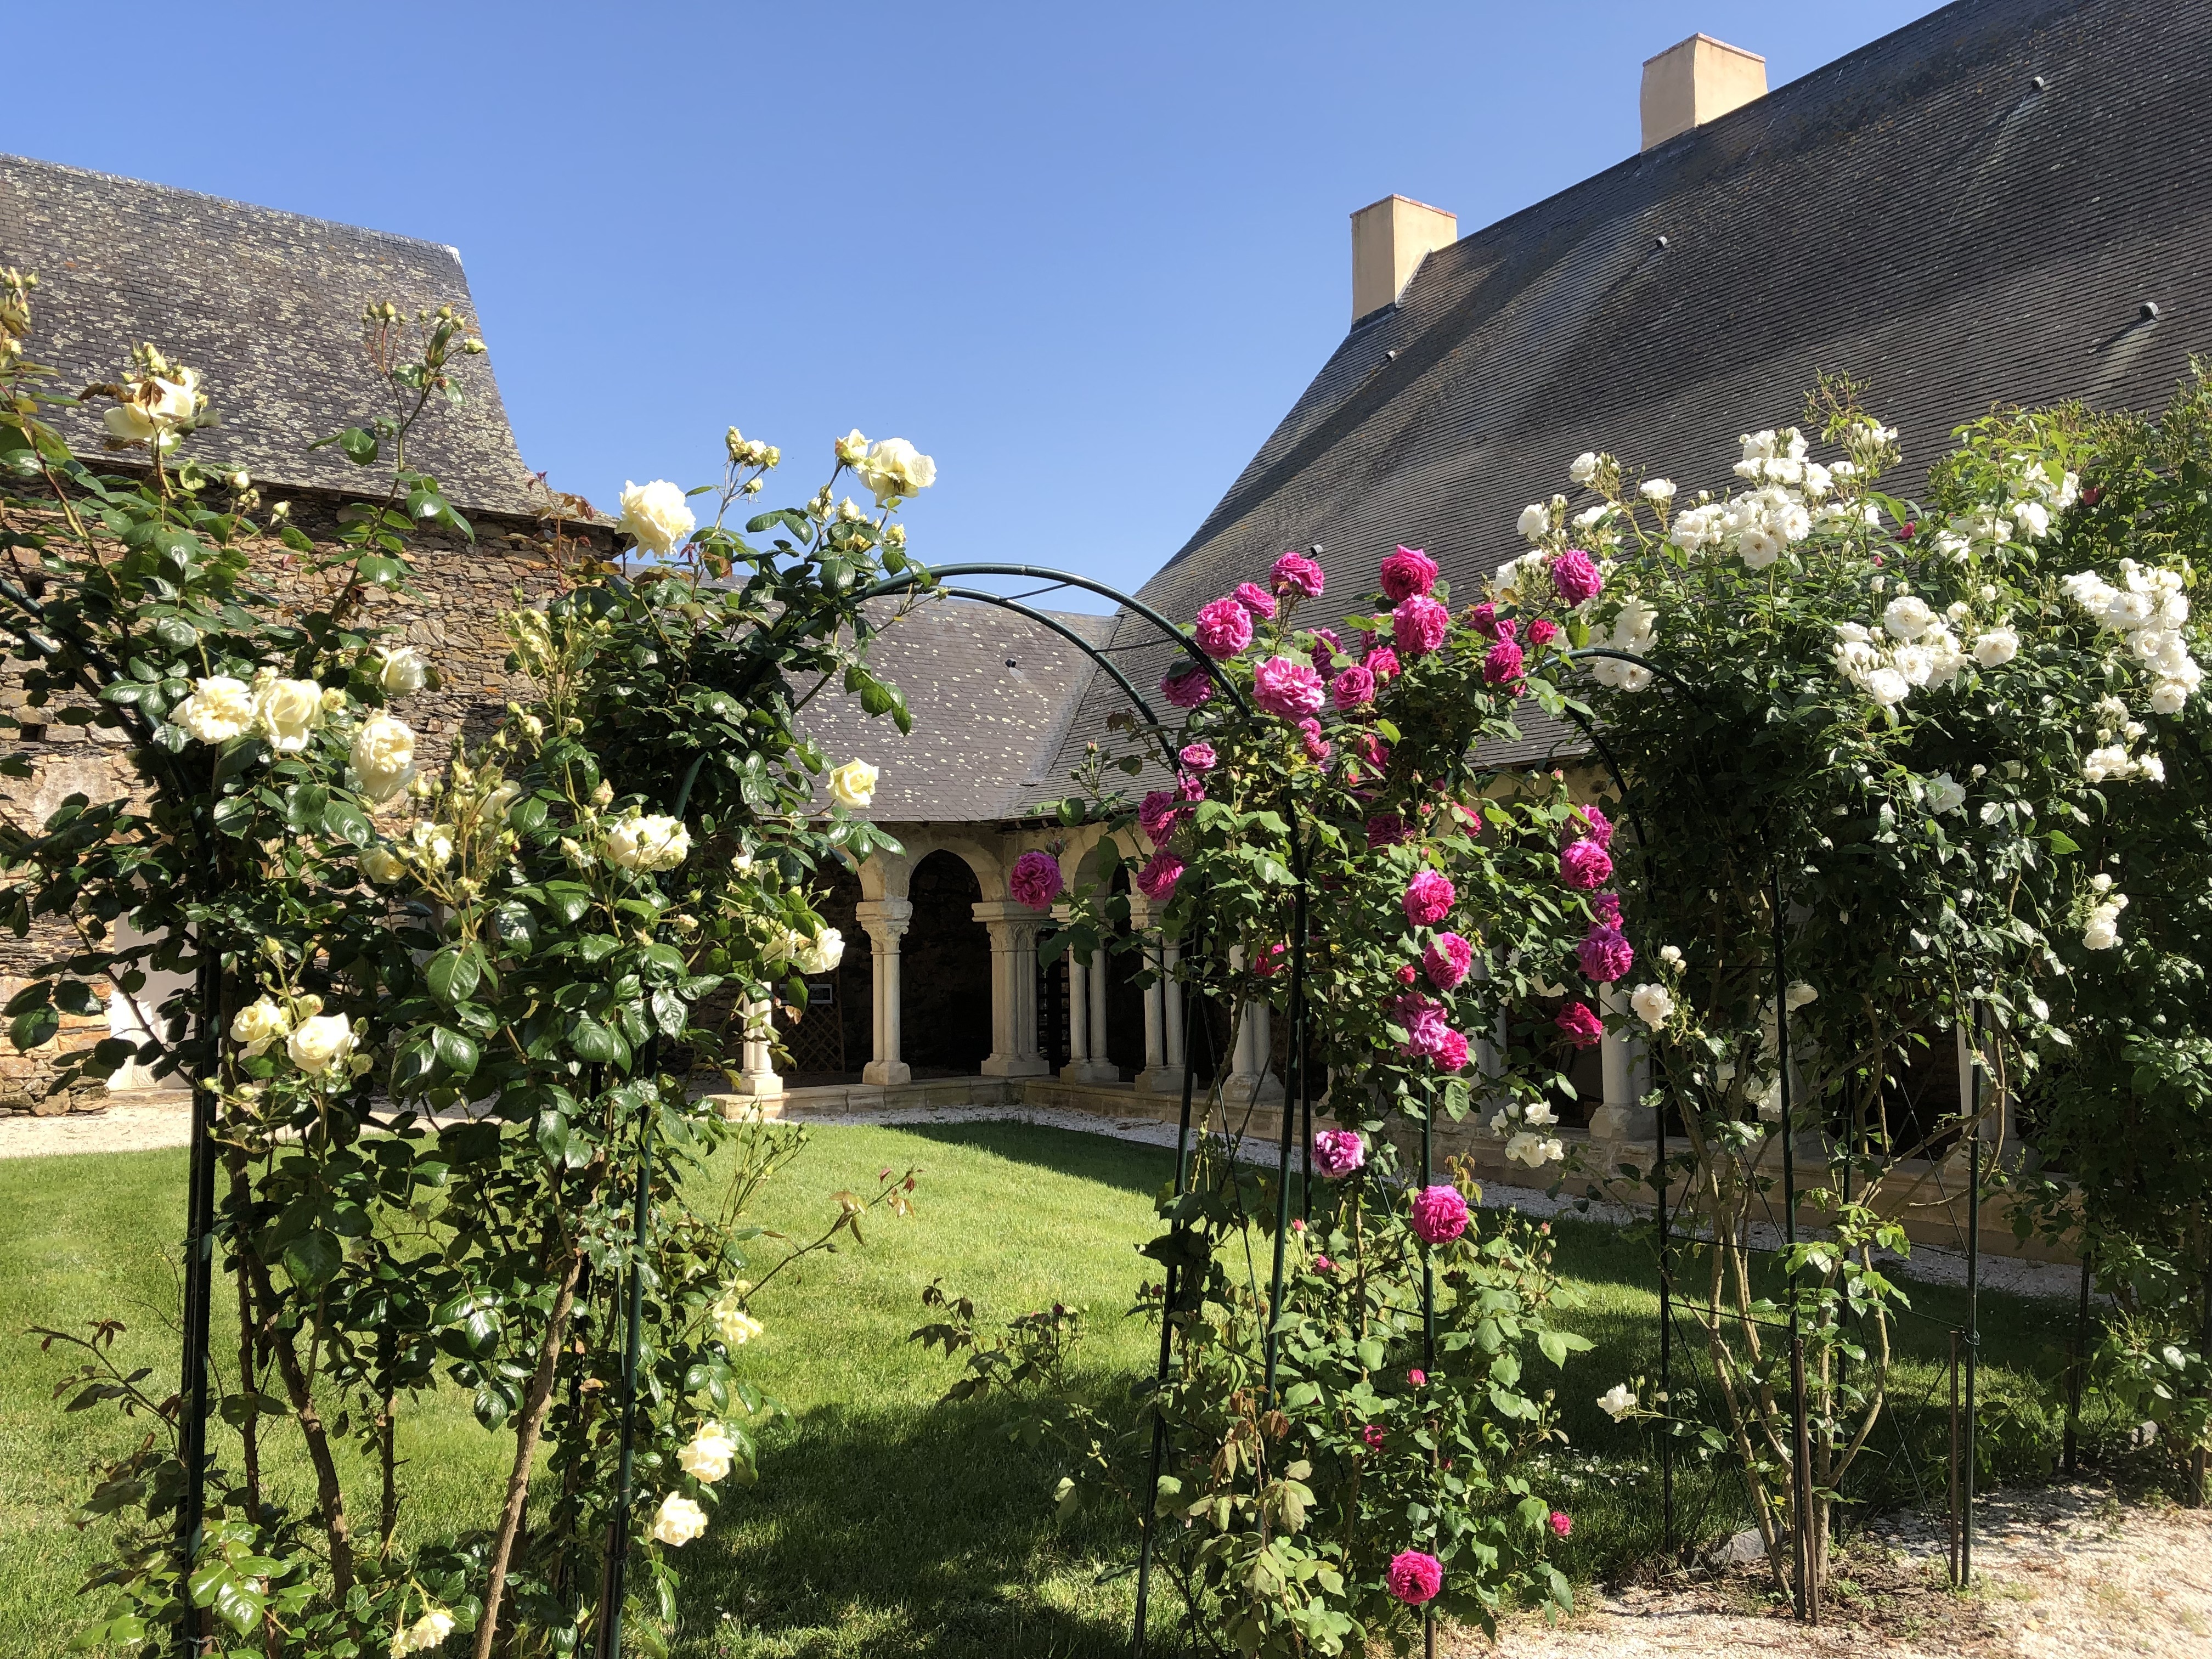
1698 81
1390 240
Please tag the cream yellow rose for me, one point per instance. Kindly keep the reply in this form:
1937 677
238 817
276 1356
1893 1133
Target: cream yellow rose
383 756
219 709
654 516
287 712
854 784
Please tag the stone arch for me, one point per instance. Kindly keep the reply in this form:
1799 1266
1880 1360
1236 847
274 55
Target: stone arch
945 981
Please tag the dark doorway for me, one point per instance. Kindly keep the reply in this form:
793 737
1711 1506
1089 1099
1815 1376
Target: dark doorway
833 1038
946 1012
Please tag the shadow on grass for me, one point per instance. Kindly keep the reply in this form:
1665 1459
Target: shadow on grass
879 1532
1130 1166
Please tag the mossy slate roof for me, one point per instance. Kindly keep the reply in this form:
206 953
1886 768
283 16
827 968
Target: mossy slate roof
1970 210
266 305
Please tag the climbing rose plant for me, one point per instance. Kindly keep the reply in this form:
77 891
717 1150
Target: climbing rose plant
438 1021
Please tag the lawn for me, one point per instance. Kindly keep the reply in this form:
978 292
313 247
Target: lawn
884 1523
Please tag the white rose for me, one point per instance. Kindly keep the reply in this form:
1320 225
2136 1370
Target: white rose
654 516
821 954
425 1633
1671 955
1536 521
219 709
1996 647
1539 1114
731 1322
1945 794
259 1025
710 1454
1616 1401
1534 1150
2167 697
1656 489
1907 616
383 756
432 844
894 468
498 804
1584 467
2033 518
854 784
401 672
2152 767
1653 1004
287 712
1887 687
655 842
321 1043
679 1520
382 865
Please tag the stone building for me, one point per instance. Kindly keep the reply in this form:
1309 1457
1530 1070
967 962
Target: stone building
2009 200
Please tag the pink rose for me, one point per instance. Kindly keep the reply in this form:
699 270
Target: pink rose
1429 898
1269 962
1503 667
1407 572
1387 829
1323 1265
1423 1020
1354 688
1606 907
1291 689
1190 786
1483 619
1419 625
1371 1436
1543 631
1224 628
1157 815
1574 574
1448 1053
1584 864
1199 757
1439 1214
1561 1523
1295 573
1256 599
1447 961
1583 1027
1037 881
1383 663
1405 973
1600 827
1416 1377
1327 643
1318 748
1505 629
1157 880
1187 686
1415 1577
1338 1153
1605 954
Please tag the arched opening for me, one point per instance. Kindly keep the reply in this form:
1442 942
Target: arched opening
1125 998
945 1012
828 1040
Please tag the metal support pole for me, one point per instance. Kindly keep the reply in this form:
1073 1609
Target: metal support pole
1428 1322
1973 1317
1951 1501
199 1281
2076 1363
618 1526
1666 1339
2204 1348
1167 1342
1290 1120
1800 1483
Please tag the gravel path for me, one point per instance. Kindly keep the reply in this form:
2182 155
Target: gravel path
2062 1573
133 1128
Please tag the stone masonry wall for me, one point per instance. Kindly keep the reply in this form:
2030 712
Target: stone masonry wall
451 618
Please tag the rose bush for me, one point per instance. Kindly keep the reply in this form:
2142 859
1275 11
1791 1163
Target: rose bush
438 1019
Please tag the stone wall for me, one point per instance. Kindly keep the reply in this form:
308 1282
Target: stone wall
451 618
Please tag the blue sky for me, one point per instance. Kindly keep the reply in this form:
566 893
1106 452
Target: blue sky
1084 257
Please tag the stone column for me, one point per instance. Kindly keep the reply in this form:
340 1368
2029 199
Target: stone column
886 921
1162 1003
1014 929
757 1081
1170 958
1621 1129
1086 1021
1249 1079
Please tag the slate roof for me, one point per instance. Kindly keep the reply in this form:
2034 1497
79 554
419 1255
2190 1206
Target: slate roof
1970 210
266 305
991 693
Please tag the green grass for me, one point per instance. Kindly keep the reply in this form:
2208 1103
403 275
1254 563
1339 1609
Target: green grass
884 1523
